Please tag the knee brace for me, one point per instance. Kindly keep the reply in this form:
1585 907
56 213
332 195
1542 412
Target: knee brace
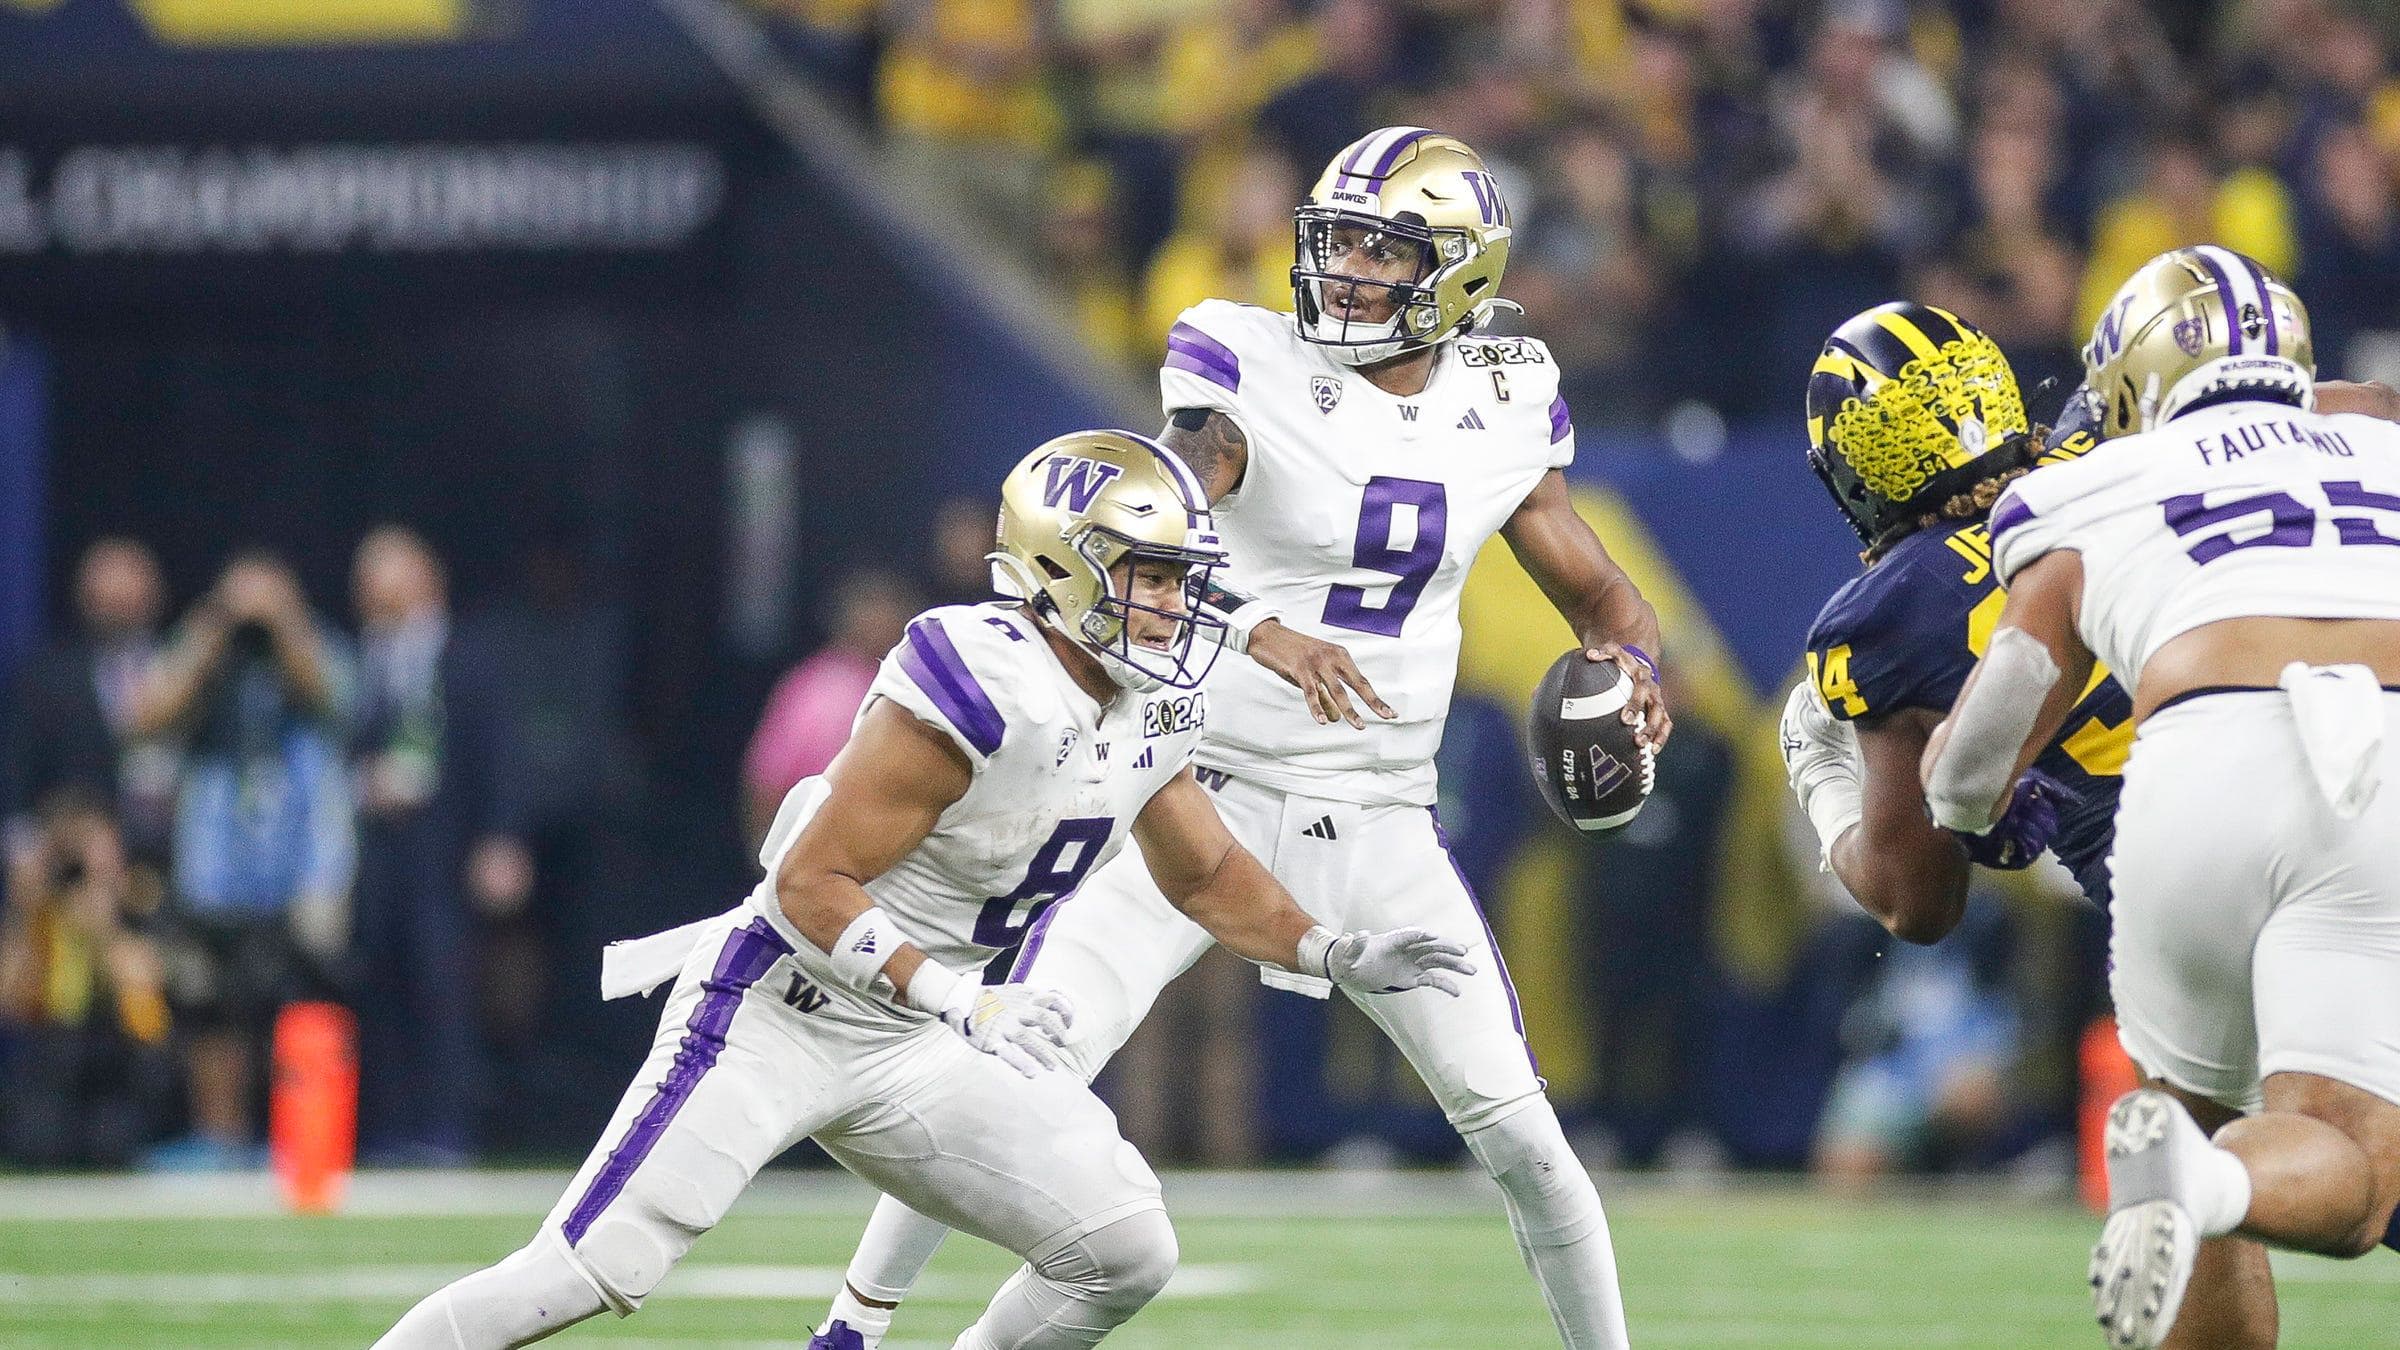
1549 1192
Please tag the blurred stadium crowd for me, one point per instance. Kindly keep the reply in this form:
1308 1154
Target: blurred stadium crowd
1698 184
211 812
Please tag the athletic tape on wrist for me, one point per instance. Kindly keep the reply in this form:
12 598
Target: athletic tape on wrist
1316 952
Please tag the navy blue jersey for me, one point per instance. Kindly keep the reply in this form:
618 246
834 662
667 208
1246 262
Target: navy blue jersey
1905 633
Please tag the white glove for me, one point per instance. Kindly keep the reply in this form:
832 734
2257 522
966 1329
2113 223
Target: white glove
1820 756
1382 963
1018 1024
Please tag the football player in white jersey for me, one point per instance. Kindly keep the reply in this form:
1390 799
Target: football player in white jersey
1004 752
1360 454
2235 557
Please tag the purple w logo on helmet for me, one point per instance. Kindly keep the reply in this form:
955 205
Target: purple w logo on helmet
1077 481
1487 194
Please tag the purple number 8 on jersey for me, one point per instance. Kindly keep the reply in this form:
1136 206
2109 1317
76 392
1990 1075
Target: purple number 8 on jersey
1053 875
1411 567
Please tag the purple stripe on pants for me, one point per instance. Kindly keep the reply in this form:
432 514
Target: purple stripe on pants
747 955
1516 1012
1560 422
928 658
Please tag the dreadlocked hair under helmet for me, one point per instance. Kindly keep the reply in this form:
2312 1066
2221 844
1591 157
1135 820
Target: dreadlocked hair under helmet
1973 502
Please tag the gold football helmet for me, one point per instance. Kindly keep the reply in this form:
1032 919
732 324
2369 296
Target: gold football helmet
1908 405
1396 196
2195 326
1075 516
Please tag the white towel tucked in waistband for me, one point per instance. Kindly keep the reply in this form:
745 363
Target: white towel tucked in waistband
2340 713
639 965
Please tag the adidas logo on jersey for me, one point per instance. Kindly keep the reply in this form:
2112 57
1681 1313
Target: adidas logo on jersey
1142 760
1323 829
1473 421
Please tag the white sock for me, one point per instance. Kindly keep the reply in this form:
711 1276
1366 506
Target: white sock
1561 1229
2220 1190
871 1323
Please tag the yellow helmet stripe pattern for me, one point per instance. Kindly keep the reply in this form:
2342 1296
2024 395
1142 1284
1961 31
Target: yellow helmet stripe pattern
1899 326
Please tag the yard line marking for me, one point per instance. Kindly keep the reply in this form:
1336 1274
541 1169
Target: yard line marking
362 1284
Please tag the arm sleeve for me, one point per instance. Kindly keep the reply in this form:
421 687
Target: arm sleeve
951 672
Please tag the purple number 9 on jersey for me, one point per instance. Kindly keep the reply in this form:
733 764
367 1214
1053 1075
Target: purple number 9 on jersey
1411 567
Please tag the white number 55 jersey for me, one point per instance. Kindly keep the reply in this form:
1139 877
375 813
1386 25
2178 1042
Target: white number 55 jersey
2244 509
1357 518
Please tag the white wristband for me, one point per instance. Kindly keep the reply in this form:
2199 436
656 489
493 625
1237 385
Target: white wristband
1241 623
860 952
1316 951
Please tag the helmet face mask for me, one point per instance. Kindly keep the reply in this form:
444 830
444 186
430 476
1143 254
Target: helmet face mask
1340 256
1394 192
1110 628
2195 326
1080 517
1909 405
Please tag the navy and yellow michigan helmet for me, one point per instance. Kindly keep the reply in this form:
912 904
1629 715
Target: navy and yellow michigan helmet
1908 406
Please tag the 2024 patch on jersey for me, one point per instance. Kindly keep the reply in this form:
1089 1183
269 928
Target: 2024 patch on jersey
1357 517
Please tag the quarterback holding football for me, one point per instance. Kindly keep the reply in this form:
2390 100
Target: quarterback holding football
1359 451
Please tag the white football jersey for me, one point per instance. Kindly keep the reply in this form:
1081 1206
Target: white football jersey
1357 518
1057 783
2235 510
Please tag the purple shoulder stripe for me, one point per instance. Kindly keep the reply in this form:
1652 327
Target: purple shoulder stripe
1560 422
2011 513
928 658
747 954
1190 349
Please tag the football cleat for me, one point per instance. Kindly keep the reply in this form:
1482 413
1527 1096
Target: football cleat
837 1335
2143 1261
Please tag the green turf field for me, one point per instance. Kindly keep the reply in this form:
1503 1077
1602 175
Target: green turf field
1325 1263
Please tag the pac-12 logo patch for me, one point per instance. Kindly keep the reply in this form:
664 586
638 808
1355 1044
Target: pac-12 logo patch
1327 390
